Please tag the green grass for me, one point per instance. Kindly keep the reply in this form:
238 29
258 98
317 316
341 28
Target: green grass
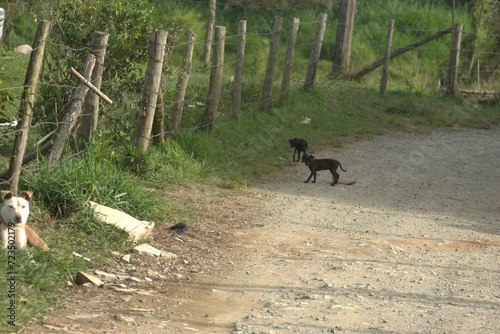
11 82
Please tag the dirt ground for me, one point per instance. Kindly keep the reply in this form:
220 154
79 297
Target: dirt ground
412 247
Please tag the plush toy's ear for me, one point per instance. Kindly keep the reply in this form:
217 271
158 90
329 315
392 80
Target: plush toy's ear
27 195
6 194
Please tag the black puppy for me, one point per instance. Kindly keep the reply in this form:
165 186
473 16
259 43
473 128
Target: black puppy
300 145
322 164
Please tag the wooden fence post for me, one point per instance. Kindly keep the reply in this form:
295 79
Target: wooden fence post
316 50
146 115
238 71
209 32
345 27
27 102
182 81
385 69
287 72
213 98
90 113
74 111
159 118
267 99
454 57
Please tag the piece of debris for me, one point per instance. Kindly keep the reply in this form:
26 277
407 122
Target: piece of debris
179 228
123 318
136 229
141 310
127 290
126 258
150 250
83 277
81 256
306 120
24 49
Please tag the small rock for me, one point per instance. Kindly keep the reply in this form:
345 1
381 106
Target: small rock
24 49
82 278
150 250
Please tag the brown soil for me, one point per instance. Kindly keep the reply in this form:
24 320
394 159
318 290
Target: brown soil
412 247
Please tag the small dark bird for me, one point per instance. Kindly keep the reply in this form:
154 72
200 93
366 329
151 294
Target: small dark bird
179 228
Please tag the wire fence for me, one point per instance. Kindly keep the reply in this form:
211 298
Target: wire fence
257 58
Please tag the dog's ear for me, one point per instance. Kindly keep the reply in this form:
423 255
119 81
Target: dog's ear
27 195
6 194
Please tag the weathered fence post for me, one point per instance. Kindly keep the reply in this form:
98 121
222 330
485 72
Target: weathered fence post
182 81
316 50
209 32
159 118
287 72
74 112
345 27
454 57
212 102
267 99
27 102
90 113
238 71
146 115
385 69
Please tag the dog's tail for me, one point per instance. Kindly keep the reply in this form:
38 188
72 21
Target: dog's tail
341 167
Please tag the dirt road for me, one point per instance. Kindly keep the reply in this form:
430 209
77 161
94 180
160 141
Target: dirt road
412 247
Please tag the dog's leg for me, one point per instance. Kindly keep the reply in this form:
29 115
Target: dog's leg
335 176
311 175
34 239
294 152
309 178
21 240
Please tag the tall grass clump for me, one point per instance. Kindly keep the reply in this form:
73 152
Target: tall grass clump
94 175
160 167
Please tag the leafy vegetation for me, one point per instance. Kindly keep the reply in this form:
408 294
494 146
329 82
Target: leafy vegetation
236 152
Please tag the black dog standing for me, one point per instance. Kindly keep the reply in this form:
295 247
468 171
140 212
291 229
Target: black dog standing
322 164
300 145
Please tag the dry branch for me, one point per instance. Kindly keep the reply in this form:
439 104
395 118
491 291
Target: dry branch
400 51
91 86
